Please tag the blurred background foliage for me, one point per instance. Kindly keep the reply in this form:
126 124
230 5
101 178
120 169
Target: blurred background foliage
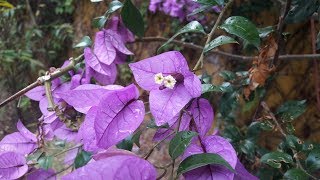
36 35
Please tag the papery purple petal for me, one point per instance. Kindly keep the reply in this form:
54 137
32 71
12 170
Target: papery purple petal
36 93
17 143
116 24
111 152
65 133
121 167
85 96
119 115
93 61
117 42
242 173
104 79
43 105
25 132
41 174
202 113
164 132
167 103
166 63
12 165
103 48
87 132
71 156
192 84
75 81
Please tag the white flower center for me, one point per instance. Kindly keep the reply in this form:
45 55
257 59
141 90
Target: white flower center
169 82
158 78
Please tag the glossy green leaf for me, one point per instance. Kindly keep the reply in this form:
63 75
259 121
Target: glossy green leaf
200 9
193 26
221 40
45 162
224 87
99 22
293 142
247 147
210 2
227 75
200 160
301 10
113 6
243 28
180 142
126 143
6 4
152 125
136 138
264 32
85 42
295 174
82 159
313 160
274 159
290 110
132 18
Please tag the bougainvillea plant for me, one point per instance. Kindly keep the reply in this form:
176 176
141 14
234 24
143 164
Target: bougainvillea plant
91 117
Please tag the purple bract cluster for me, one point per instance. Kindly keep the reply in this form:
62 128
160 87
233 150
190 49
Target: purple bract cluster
113 112
177 8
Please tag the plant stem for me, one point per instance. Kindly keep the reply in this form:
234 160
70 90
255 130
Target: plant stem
295 153
151 150
42 79
199 64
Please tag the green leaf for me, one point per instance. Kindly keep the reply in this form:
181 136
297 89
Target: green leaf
152 125
209 2
264 32
132 18
295 174
136 138
221 40
82 159
193 26
227 75
126 143
247 147
301 10
99 22
6 4
313 160
290 110
224 87
200 160
85 42
199 10
113 6
180 142
293 142
45 162
274 159
243 28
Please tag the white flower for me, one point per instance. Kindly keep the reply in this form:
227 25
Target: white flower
169 82
158 78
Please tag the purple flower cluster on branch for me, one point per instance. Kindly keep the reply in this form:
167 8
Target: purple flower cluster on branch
111 113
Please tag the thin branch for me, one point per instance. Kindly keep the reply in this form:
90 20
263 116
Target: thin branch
279 31
199 64
42 79
151 150
228 55
295 153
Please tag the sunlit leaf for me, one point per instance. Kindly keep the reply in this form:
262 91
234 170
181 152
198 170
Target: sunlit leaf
221 40
243 28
